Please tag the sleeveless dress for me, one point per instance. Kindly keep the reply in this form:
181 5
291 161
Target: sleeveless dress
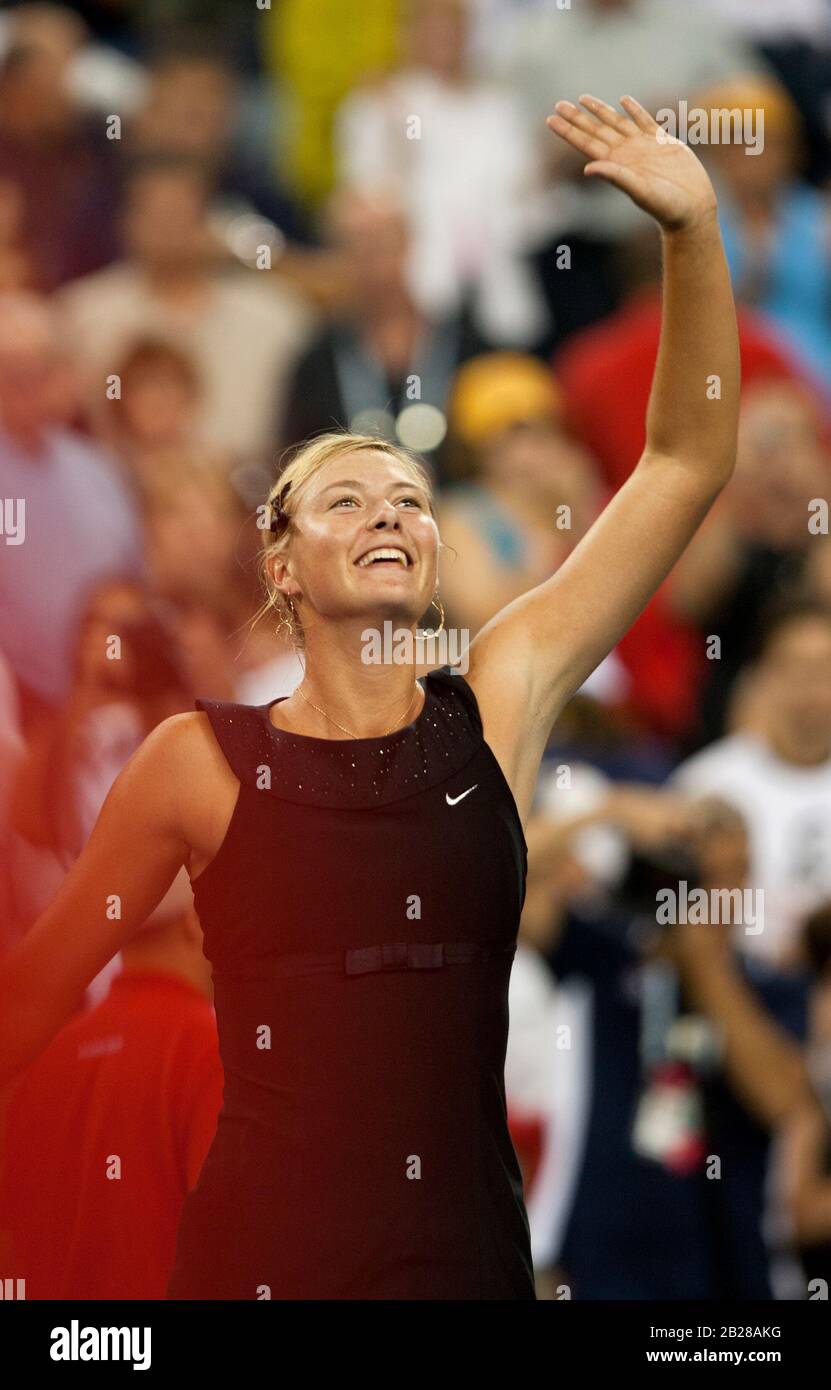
361 919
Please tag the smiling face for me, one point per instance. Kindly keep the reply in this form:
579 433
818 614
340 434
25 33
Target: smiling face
796 677
364 544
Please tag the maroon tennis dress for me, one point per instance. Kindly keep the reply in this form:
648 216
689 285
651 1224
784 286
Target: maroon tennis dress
361 918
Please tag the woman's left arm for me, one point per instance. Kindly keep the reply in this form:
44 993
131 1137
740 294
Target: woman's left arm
533 655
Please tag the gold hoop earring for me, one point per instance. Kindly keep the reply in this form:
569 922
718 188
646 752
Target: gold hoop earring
287 620
437 603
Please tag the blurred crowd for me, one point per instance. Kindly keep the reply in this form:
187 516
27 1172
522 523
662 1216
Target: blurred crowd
226 228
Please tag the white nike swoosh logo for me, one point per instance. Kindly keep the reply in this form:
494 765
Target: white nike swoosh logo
451 800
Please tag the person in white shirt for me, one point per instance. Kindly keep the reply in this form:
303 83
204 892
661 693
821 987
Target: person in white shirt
659 48
242 327
458 151
776 770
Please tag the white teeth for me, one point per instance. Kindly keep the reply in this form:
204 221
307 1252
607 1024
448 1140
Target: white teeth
392 554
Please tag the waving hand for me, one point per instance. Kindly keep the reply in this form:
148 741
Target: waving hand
659 173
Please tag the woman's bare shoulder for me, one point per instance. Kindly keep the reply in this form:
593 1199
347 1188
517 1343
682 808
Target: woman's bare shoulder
207 788
178 764
185 744
184 773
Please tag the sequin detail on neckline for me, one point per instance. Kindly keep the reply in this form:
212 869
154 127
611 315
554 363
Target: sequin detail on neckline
354 773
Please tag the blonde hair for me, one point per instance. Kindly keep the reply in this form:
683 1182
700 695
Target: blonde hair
289 486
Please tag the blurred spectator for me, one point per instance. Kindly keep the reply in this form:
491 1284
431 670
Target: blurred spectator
779 777
99 77
383 366
232 661
616 1218
157 404
533 495
680 1053
745 1028
108 1128
766 210
188 502
214 585
605 373
240 330
189 109
56 155
194 106
127 677
74 512
657 48
756 540
794 39
610 739
417 131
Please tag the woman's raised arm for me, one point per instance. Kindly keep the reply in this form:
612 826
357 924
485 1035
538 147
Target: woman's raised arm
132 856
551 638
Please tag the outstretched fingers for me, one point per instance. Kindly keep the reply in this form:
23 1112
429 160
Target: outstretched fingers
580 130
614 125
640 115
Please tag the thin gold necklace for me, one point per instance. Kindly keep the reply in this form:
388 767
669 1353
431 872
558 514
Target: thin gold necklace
349 731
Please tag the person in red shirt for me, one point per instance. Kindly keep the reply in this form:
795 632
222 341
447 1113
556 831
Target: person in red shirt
605 374
106 1131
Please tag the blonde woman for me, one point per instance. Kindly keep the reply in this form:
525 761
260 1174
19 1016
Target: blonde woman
356 848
